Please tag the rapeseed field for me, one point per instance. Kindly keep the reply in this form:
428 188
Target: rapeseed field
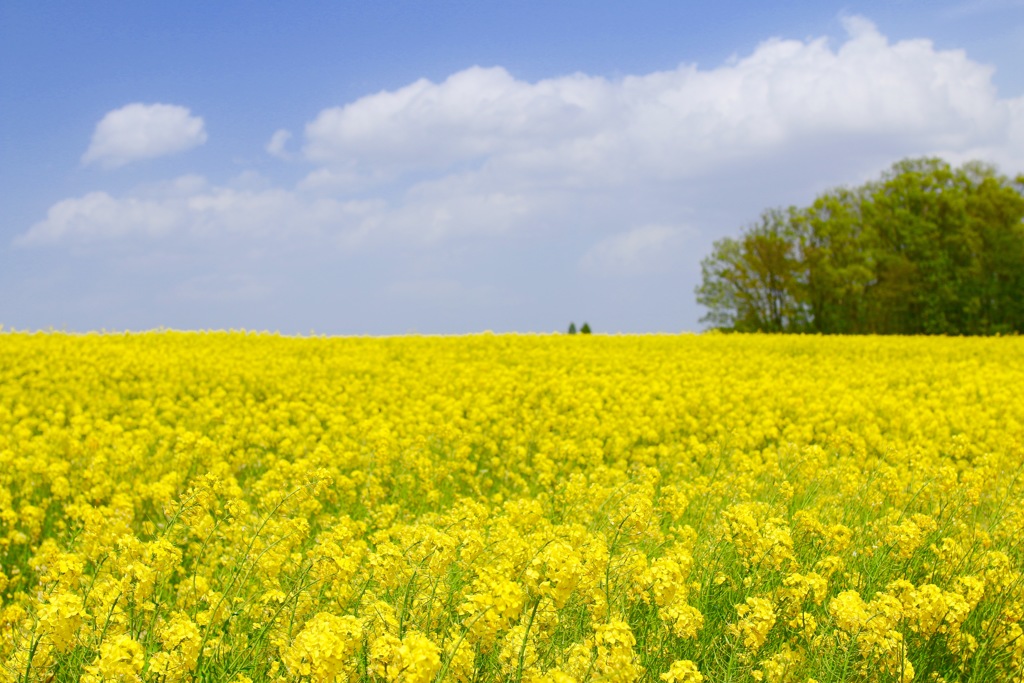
249 507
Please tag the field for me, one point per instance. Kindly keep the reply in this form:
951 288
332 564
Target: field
250 507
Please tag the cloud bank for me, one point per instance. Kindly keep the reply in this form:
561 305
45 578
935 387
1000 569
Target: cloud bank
602 170
143 131
190 208
675 123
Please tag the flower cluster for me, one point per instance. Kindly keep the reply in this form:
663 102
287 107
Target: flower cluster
546 509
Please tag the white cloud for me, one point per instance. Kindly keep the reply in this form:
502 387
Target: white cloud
189 207
472 114
278 141
143 131
670 124
641 249
484 153
97 216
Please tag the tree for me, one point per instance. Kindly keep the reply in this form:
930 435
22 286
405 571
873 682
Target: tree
572 328
585 329
994 210
926 249
757 281
839 270
918 232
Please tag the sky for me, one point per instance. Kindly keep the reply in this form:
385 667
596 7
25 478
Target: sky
441 167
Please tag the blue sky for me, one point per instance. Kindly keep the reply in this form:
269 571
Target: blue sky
450 167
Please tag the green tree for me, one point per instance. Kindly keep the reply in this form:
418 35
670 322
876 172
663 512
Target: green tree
949 248
839 269
585 329
572 328
926 249
756 282
995 211
917 231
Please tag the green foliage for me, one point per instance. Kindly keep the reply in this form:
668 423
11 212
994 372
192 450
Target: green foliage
585 329
927 249
572 328
753 283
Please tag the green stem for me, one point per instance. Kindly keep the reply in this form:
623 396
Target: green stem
526 637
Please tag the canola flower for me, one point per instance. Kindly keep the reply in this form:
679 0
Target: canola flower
547 509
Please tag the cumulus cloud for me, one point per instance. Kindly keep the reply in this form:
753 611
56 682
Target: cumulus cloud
472 114
485 153
143 131
674 123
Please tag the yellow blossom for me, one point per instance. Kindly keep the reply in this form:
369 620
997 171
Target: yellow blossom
682 671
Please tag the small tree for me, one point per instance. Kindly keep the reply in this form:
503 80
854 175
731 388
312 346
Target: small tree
585 329
756 282
572 328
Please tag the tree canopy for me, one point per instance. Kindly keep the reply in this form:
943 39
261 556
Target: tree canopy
926 249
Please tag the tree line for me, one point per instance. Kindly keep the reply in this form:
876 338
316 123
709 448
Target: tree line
926 249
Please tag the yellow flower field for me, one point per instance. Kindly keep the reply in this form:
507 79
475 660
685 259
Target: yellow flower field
250 507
